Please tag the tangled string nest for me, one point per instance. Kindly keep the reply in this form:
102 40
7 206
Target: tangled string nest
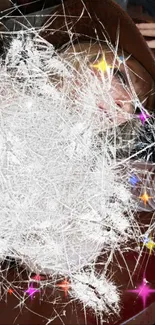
62 199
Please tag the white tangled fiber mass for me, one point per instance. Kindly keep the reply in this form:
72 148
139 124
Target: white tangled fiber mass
100 294
62 202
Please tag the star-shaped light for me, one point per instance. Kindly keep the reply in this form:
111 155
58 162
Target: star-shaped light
37 277
146 240
120 59
10 291
102 65
133 180
143 116
65 285
150 244
31 291
145 197
143 291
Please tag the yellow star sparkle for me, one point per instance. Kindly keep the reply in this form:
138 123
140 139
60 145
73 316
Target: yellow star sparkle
150 245
102 65
145 197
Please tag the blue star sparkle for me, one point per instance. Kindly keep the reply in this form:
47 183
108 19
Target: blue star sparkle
133 180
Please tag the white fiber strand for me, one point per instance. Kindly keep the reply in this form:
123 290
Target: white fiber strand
62 203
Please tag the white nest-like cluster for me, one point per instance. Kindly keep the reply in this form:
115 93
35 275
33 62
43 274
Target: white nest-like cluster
62 201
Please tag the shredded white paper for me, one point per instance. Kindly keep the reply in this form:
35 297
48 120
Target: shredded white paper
62 199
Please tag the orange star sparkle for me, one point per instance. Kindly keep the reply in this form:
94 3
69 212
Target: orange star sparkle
10 291
65 285
145 197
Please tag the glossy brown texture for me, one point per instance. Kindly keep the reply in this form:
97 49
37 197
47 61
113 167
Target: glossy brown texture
120 91
81 20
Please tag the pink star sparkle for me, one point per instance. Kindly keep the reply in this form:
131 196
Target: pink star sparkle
37 277
143 291
31 291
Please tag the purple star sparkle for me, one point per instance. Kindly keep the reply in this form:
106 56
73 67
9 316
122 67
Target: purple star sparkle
143 291
143 116
31 291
